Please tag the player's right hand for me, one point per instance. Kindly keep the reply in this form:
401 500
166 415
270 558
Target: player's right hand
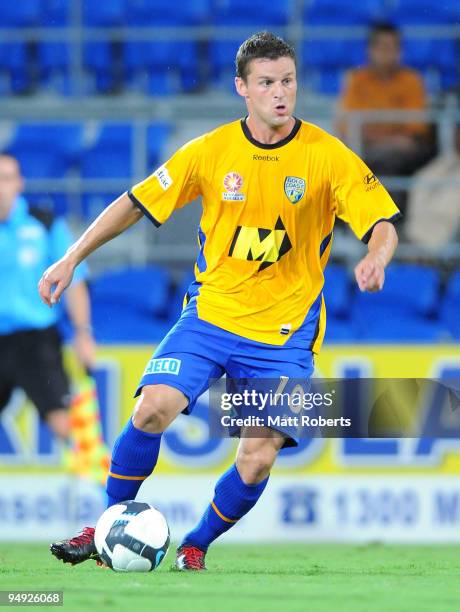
54 280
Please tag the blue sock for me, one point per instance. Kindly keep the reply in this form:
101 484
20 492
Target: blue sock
134 456
232 500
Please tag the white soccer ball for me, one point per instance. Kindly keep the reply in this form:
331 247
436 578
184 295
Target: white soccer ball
132 537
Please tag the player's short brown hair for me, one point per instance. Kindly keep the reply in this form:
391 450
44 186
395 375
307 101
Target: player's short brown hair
263 45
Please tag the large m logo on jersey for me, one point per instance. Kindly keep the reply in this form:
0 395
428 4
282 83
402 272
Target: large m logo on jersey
260 244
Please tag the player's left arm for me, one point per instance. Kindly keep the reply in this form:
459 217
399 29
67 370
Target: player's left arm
363 202
370 271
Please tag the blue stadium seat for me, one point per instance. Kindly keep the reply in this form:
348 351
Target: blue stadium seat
55 13
112 325
405 310
334 53
222 58
57 203
99 62
339 330
165 12
110 156
451 305
412 288
257 12
426 52
14 63
425 12
66 138
130 304
105 162
23 13
343 12
384 324
170 66
115 134
47 150
157 135
94 203
337 298
54 55
177 300
54 64
41 164
144 288
163 82
337 290
330 81
108 13
449 78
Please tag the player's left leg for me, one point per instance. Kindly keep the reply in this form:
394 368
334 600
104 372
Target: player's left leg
236 492
240 487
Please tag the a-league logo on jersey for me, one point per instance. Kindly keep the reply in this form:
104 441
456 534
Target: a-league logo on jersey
233 182
294 188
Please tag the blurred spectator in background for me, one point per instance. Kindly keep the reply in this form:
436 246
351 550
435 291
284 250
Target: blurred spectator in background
433 211
388 148
30 345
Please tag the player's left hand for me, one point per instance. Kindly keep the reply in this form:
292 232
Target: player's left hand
85 348
370 274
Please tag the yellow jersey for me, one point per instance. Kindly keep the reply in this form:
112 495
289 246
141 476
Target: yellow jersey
266 228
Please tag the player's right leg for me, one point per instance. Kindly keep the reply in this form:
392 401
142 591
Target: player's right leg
191 354
134 457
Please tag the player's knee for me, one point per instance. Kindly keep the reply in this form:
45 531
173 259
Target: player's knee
153 411
255 465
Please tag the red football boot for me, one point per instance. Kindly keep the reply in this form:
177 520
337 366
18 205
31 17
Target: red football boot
190 558
78 549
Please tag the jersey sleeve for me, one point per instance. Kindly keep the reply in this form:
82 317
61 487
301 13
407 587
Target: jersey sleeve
60 239
171 186
358 197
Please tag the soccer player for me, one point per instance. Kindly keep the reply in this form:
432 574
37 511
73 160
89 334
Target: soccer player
272 186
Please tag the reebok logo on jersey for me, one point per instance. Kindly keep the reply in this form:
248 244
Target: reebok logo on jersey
163 177
260 244
163 366
273 158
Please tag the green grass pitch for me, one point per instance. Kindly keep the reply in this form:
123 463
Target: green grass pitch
286 577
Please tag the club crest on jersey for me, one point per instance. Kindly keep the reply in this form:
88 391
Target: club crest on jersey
294 188
233 182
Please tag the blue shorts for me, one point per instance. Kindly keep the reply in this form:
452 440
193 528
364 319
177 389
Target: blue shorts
194 352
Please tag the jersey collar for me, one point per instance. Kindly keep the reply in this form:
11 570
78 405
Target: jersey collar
274 145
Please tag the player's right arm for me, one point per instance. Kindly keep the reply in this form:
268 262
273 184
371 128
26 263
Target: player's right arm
114 220
171 186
